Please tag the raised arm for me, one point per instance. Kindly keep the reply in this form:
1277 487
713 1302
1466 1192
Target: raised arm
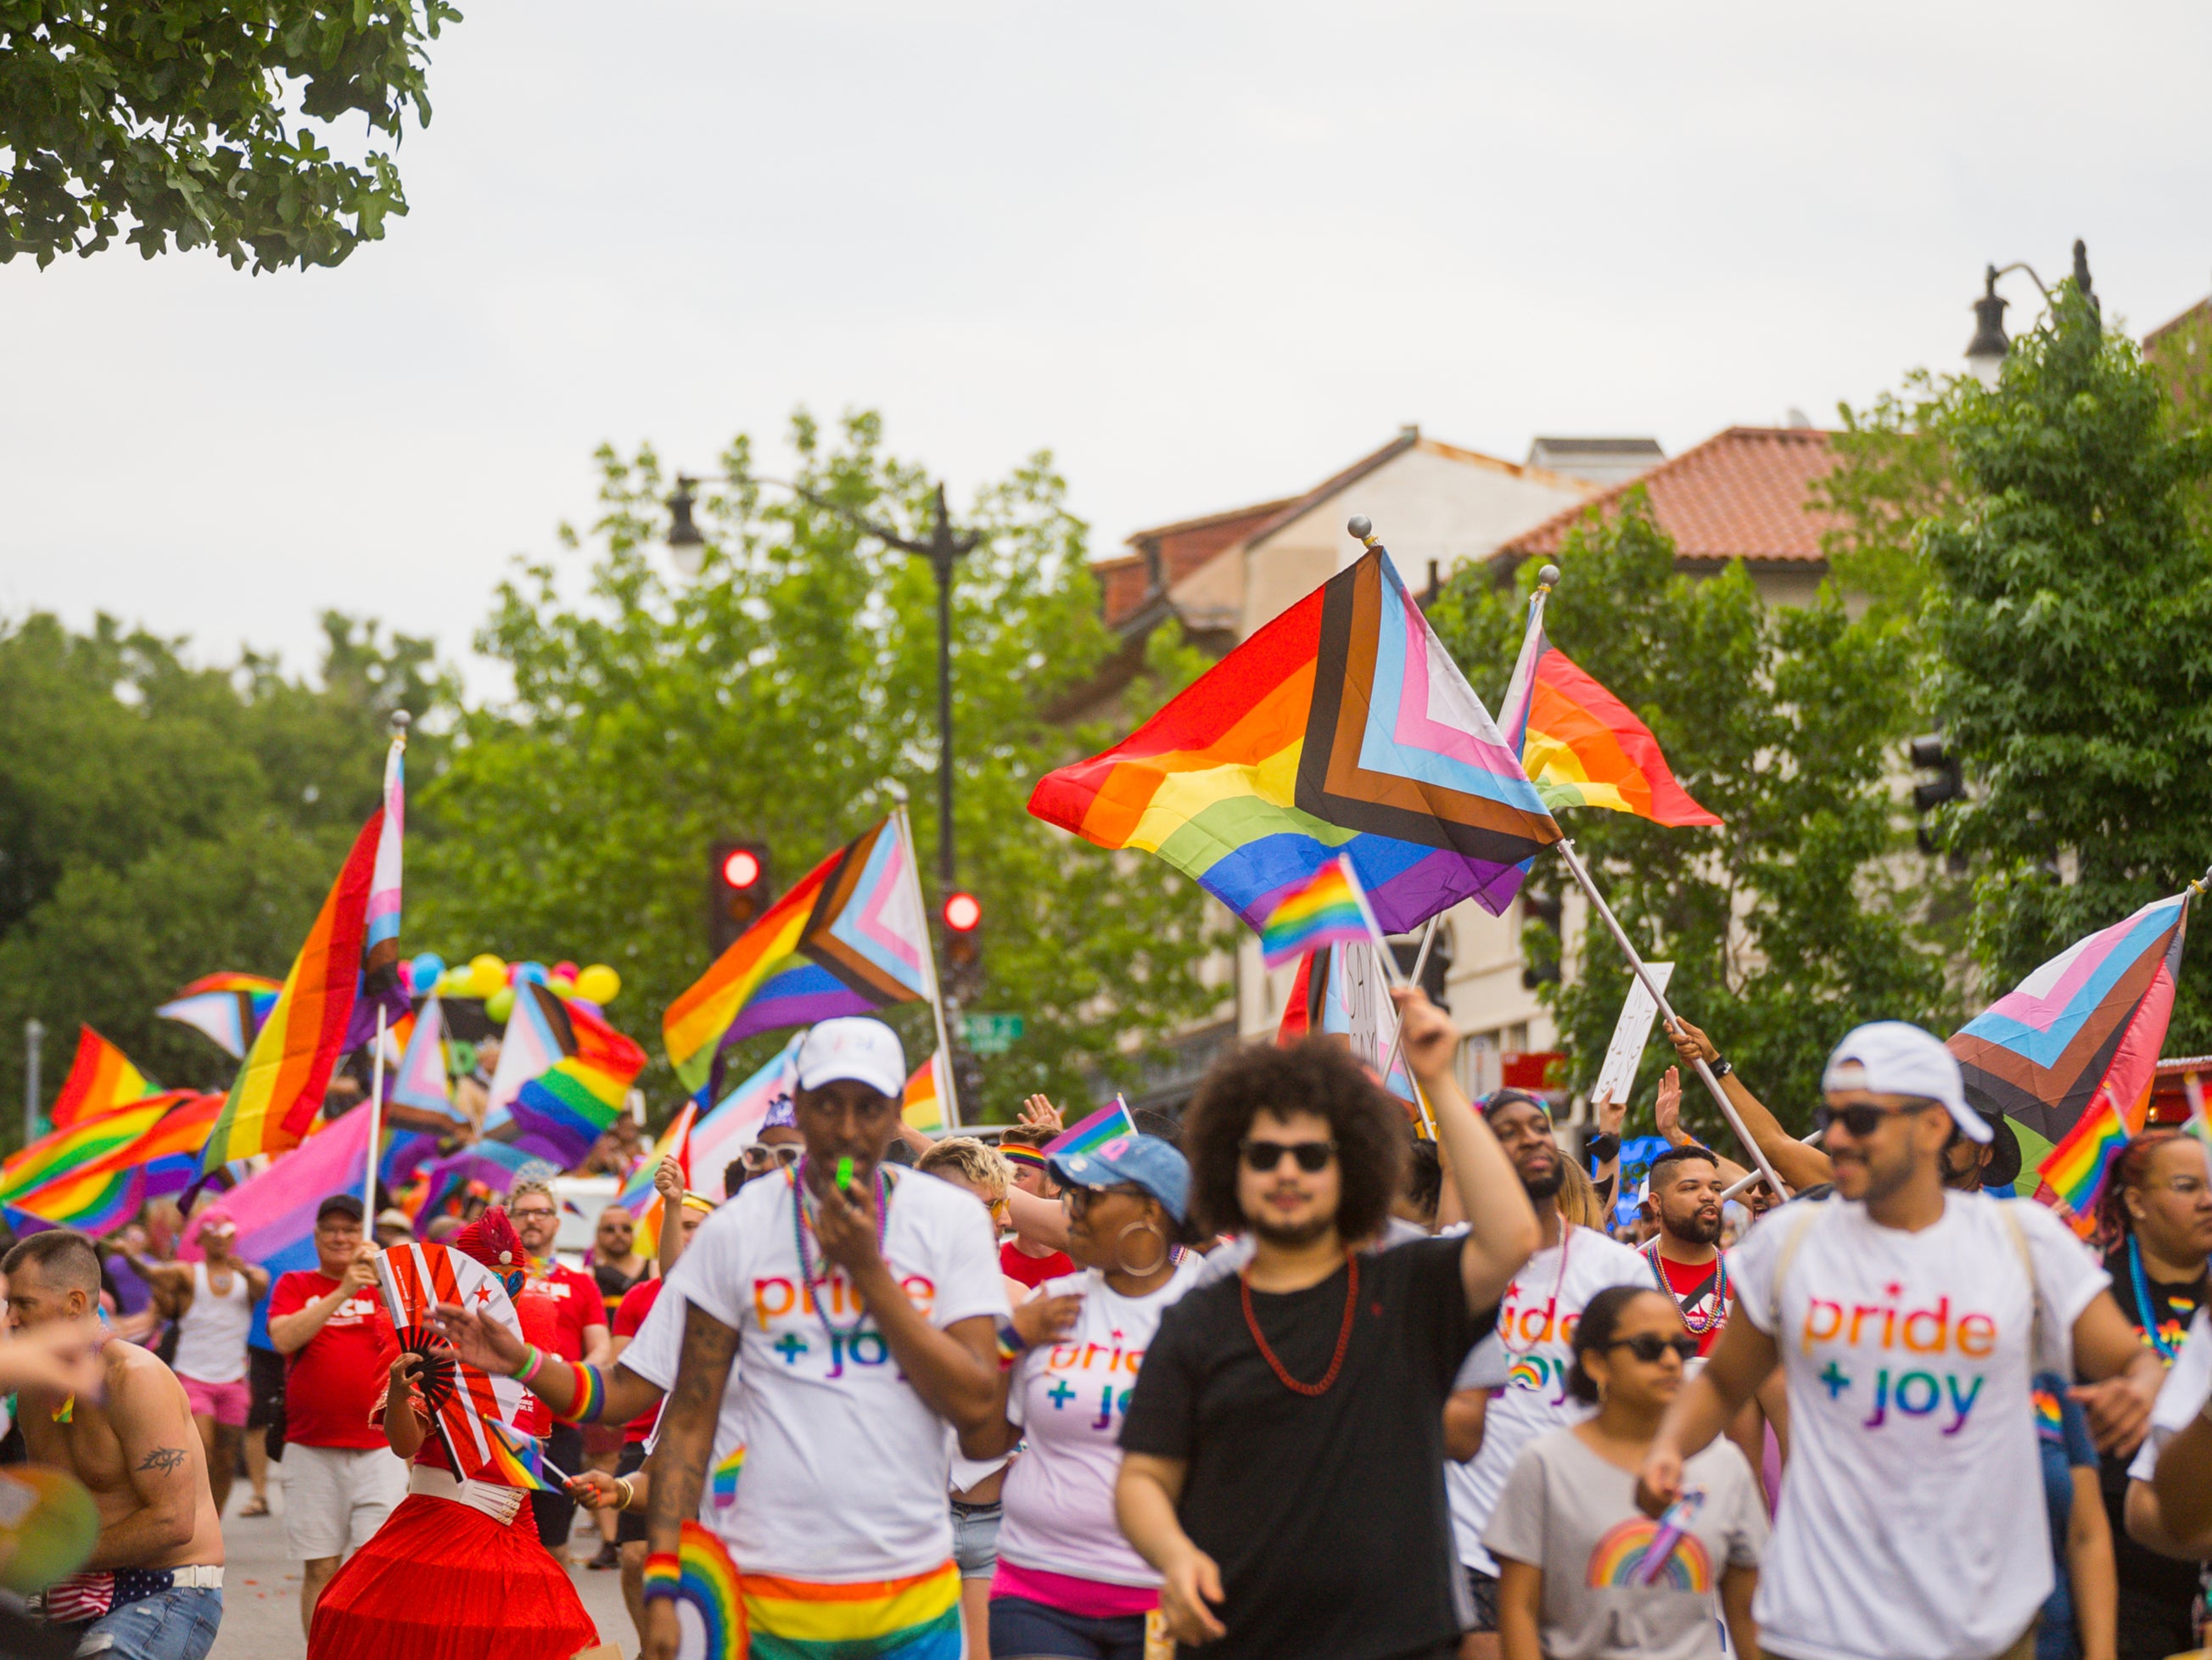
668 1183
1039 1221
1800 1166
680 1458
290 1333
162 1461
1501 1231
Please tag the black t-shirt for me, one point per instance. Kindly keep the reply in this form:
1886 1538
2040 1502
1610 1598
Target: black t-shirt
1326 1515
614 1285
2142 1570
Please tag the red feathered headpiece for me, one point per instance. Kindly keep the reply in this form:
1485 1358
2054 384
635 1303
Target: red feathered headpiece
491 1240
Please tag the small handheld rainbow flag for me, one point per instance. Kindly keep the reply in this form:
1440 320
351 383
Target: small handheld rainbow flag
1089 1134
1326 909
2075 1168
517 1460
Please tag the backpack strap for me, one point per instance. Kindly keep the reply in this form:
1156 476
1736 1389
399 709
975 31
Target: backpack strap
1788 1254
2034 1291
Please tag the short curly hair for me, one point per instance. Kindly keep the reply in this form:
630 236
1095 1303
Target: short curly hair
1318 1076
971 1160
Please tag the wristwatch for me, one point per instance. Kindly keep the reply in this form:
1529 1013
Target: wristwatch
1721 1066
1602 1147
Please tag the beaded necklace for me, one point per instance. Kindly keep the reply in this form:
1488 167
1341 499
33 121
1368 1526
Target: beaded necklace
799 1229
1343 1331
2148 1313
1558 1282
1696 1324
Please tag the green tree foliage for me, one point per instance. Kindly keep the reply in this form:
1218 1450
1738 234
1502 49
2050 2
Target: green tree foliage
789 695
158 821
1796 919
2070 610
203 122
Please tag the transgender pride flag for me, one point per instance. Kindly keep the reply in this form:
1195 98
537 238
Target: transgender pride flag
380 948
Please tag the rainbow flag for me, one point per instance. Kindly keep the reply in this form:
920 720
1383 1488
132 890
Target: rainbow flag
99 1081
573 1102
851 937
280 1088
721 1133
708 1581
1580 745
923 1105
2087 1025
75 1147
1088 1135
1327 910
916 1618
2075 1168
100 1195
517 1460
228 1008
638 1193
1342 728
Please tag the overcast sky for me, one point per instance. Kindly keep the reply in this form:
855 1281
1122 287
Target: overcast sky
1205 254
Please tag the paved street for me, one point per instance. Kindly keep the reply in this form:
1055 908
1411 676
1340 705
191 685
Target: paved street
261 1589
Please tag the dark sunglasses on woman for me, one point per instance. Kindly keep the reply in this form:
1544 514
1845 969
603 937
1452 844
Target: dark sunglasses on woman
1648 1346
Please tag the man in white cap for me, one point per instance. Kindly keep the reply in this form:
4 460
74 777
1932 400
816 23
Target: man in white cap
843 1313
1909 1319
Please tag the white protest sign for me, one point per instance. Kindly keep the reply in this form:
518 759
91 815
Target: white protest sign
1630 1034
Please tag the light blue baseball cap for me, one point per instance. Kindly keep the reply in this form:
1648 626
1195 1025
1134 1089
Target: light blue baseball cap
1139 1161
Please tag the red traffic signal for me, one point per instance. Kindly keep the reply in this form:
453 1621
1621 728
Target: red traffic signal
963 911
741 867
739 890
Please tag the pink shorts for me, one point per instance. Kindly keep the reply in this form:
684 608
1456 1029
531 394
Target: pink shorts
224 1402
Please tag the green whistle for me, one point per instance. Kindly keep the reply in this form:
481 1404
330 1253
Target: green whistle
845 1173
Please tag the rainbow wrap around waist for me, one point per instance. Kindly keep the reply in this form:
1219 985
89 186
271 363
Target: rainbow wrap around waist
917 1618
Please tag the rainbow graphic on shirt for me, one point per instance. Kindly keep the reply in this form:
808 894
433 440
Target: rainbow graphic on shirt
1526 1373
917 1618
1620 1556
708 1584
723 1484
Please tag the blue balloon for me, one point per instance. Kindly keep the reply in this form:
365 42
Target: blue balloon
424 971
533 972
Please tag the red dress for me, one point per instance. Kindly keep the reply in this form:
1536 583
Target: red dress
443 1580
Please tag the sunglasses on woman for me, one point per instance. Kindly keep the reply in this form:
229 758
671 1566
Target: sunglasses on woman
1648 1346
1267 1156
1081 1200
761 1154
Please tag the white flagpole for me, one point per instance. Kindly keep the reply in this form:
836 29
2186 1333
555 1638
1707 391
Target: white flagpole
1574 863
375 1114
1388 959
944 1079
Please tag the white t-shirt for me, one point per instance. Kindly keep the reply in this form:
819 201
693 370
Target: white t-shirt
2180 1398
845 1466
1069 1396
1903 1532
1524 1364
653 1355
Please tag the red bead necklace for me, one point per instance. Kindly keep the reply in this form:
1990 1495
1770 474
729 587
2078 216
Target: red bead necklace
1343 1331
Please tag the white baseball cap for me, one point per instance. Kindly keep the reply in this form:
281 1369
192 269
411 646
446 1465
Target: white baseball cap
853 1046
1895 1057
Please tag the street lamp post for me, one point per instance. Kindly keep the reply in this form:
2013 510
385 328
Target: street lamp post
687 548
1986 352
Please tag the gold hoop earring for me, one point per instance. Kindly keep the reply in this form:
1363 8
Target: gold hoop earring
1159 1258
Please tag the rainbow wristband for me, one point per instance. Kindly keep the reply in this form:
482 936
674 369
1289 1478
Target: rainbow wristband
589 1395
664 1576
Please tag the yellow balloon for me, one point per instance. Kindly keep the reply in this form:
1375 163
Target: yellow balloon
598 984
486 975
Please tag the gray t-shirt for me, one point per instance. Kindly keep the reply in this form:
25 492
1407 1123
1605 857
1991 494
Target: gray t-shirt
1570 1513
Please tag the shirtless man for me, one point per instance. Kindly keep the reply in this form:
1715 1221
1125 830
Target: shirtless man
153 1587
214 1303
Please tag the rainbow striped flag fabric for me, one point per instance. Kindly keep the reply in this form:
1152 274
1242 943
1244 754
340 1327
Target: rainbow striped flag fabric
923 1105
1581 746
1342 728
227 1008
638 1194
1327 910
280 1088
849 938
516 1460
2073 1170
2083 1029
570 1104
707 1582
77 1147
1090 1133
102 1193
916 1618
99 1081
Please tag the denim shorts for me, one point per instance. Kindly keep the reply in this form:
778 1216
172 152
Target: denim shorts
1019 1627
976 1538
170 1625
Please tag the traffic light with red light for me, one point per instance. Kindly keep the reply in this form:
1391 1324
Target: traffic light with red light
739 891
963 951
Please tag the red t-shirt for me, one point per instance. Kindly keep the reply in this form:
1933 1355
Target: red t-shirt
1018 1264
1715 1291
555 1311
637 1303
332 1382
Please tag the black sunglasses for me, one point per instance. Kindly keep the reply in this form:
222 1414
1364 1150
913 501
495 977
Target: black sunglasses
1648 1346
1265 1157
1863 1118
1081 1200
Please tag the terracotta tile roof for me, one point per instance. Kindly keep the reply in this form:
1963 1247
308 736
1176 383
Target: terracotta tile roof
1740 495
2199 313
